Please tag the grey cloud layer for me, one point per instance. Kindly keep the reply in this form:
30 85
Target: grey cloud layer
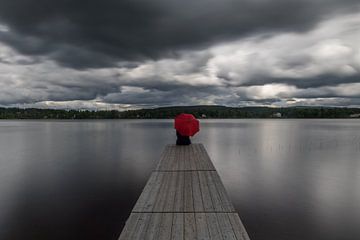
124 54
96 33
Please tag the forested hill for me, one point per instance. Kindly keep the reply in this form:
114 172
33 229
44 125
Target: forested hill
170 112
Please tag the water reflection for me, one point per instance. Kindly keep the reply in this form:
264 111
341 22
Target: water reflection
292 179
288 179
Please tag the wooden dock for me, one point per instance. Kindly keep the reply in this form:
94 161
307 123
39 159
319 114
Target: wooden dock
185 199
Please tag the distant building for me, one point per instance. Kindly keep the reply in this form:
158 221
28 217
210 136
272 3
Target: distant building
356 115
276 115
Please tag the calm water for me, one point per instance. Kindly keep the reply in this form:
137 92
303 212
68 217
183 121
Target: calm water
288 179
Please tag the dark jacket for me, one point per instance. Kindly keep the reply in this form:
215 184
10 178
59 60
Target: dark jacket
182 140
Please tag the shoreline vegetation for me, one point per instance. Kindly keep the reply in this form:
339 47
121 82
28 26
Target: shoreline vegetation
171 112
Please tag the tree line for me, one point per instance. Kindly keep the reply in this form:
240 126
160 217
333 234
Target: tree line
171 112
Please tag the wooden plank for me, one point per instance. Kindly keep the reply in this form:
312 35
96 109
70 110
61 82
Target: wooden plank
130 226
213 226
153 193
164 157
165 227
189 226
179 159
188 195
198 160
170 198
184 158
173 164
238 227
197 196
205 192
202 231
179 196
153 227
192 158
145 193
171 159
141 227
178 227
215 197
225 200
225 226
206 157
163 193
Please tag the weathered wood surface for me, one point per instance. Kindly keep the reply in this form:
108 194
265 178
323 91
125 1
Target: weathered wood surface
184 191
184 198
219 226
185 158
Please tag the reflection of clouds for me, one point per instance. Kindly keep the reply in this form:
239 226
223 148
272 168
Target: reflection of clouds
13 161
270 132
220 142
284 172
336 186
70 168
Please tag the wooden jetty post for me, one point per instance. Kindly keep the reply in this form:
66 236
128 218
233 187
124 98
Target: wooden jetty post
184 199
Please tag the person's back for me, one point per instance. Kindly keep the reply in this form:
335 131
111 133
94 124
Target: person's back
182 140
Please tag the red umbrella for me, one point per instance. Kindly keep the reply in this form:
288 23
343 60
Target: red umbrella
186 124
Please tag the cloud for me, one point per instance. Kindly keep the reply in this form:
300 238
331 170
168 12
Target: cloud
88 34
329 54
66 62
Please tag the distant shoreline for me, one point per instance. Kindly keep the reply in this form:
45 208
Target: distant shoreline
201 119
205 112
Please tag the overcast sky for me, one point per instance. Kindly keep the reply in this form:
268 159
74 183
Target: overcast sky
121 54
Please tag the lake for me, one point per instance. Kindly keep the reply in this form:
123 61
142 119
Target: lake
288 179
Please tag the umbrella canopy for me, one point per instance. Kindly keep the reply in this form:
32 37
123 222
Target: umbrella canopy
186 124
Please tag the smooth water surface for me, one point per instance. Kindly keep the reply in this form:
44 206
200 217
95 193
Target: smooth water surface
288 179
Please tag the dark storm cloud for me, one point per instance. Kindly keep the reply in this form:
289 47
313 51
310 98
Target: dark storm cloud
82 34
